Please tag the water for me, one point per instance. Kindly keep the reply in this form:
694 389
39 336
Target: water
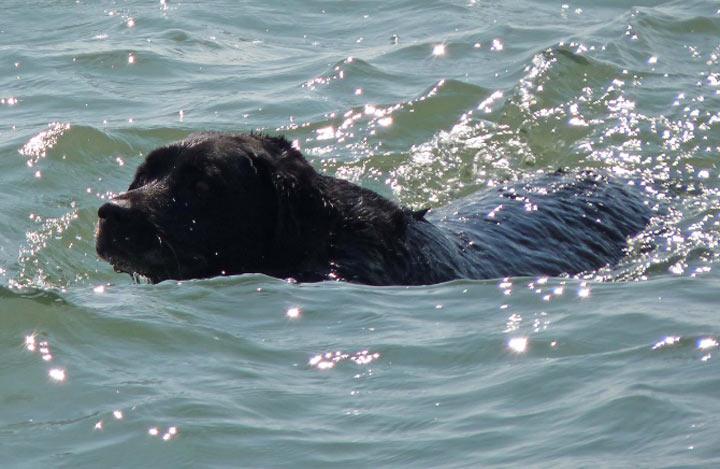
424 102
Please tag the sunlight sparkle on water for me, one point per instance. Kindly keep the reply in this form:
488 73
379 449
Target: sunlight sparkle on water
30 342
58 374
293 313
31 345
325 133
438 49
170 433
487 103
518 344
669 340
385 121
707 343
328 360
513 322
38 146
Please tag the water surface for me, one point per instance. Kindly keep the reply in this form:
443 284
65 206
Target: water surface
423 102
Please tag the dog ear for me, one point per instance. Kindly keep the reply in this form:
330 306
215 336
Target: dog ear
302 213
156 163
288 167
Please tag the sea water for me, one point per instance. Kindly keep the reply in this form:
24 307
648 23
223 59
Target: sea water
424 102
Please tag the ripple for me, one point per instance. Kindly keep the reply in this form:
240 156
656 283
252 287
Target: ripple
473 373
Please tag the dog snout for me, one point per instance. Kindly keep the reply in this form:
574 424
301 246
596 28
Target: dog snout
118 209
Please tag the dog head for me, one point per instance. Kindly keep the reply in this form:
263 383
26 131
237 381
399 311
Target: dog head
212 204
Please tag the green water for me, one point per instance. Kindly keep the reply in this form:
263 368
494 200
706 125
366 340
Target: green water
423 102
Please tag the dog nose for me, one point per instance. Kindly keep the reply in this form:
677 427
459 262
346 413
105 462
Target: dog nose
117 209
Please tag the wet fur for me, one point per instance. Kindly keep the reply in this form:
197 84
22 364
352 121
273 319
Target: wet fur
220 204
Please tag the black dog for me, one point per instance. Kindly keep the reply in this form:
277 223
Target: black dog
219 204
